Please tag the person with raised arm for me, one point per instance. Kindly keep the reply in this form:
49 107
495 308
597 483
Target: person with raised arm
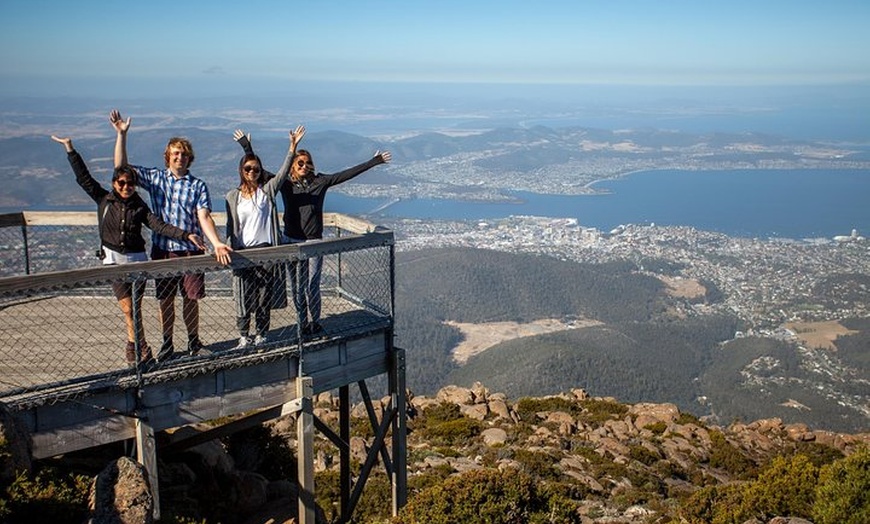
304 194
182 200
121 213
252 221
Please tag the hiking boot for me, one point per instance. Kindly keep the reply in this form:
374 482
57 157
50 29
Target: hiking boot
130 353
147 357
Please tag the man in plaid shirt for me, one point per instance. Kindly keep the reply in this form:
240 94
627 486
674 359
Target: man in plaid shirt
182 200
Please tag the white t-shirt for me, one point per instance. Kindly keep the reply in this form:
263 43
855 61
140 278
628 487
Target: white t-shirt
255 219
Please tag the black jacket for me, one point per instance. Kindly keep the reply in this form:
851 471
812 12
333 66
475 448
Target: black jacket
303 200
120 220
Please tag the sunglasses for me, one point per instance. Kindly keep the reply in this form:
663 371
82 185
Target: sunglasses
249 169
124 183
303 163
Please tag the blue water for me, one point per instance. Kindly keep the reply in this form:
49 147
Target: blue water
750 203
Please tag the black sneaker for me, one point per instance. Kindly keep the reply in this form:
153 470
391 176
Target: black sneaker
313 331
194 346
167 351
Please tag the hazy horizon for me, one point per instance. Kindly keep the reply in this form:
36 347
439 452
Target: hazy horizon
185 49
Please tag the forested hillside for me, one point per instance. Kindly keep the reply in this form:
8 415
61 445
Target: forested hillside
477 285
632 361
641 351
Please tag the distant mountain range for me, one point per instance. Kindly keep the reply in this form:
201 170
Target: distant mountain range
34 172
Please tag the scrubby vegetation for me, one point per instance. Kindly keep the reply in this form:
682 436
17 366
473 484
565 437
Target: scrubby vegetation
47 496
567 458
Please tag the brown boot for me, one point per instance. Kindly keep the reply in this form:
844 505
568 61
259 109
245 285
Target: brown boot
146 353
130 352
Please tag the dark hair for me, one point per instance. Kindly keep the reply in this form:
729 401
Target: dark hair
125 170
245 159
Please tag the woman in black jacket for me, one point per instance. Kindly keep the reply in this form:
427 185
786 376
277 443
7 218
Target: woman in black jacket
120 215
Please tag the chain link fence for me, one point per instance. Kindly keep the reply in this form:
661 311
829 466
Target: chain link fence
63 333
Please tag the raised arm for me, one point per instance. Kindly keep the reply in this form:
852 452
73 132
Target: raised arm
244 140
351 172
295 137
83 175
121 126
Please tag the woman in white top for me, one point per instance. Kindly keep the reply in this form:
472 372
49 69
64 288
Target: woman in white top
252 221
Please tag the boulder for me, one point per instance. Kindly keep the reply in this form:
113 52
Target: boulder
120 494
455 395
499 408
494 437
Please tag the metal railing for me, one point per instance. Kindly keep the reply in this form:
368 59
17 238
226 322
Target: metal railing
62 333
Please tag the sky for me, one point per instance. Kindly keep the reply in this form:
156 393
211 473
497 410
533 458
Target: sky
63 47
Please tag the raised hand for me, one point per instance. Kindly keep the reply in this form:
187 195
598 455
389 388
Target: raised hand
238 134
120 125
65 141
385 156
296 136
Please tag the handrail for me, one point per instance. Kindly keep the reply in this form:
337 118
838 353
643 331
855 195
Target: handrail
63 327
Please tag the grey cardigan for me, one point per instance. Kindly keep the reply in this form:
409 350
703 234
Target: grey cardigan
271 188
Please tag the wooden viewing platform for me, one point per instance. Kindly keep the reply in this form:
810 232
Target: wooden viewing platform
63 372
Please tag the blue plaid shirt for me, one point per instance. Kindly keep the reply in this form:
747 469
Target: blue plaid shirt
176 201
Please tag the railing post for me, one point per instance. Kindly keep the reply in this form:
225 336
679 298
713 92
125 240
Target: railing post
344 452
338 271
305 450
399 433
138 328
26 248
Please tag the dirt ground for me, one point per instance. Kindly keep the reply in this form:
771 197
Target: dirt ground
480 337
682 287
819 334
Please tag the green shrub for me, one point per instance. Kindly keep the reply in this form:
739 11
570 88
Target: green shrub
527 407
453 433
537 464
785 488
657 427
443 412
47 497
476 496
715 505
819 454
843 491
597 411
643 455
445 425
688 418
724 455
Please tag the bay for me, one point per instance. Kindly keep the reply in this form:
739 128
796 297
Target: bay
748 203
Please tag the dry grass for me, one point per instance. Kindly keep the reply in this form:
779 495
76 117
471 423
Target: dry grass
819 334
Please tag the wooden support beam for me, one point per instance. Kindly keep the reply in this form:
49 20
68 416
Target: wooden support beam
305 450
371 458
344 453
400 431
146 454
373 420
